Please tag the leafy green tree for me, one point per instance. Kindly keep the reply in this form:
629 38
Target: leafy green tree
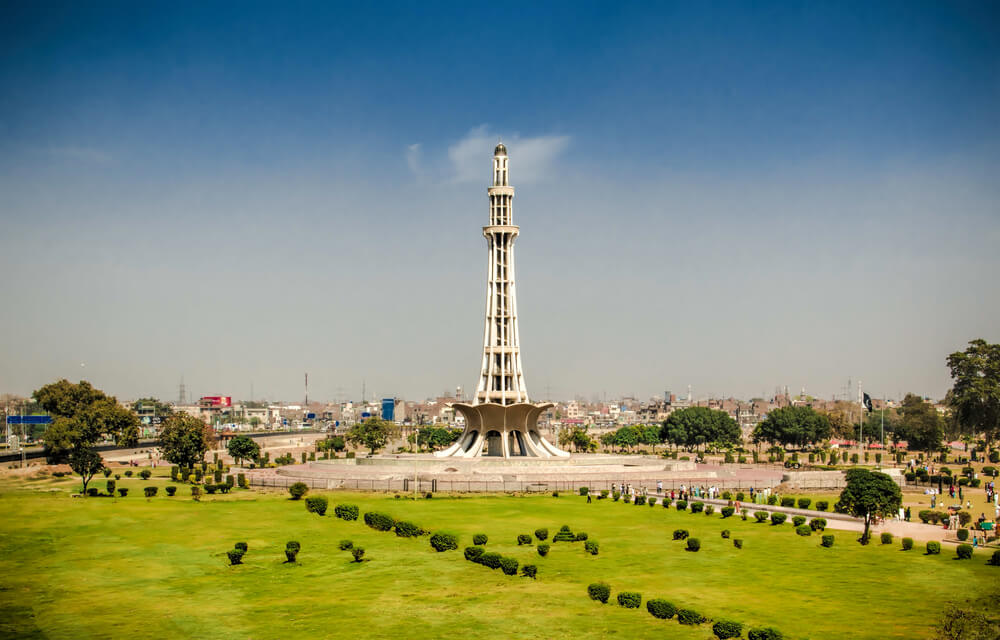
649 435
576 436
87 462
920 424
975 397
373 434
793 426
435 438
184 439
695 426
243 448
869 494
82 417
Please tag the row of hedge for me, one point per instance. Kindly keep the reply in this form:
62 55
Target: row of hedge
665 610
239 550
508 565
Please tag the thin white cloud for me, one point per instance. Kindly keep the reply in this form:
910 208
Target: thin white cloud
84 154
413 159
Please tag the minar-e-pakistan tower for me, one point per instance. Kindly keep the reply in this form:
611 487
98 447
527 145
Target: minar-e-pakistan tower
501 421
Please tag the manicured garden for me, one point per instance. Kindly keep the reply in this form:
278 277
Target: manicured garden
163 566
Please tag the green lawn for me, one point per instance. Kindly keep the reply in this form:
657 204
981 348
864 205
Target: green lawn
137 568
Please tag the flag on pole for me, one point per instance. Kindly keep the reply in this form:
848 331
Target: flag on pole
867 402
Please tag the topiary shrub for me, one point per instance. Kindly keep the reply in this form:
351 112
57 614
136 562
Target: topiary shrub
994 560
292 551
907 544
697 507
584 491
680 534
407 529
591 547
298 490
787 501
508 566
709 509
317 505
564 535
727 629
241 481
740 496
690 617
886 538
778 518
599 591
682 505
346 511
210 488
150 491
543 550
761 516
171 490
616 495
963 534
345 545
92 492
821 505
803 503
798 520
933 548
379 521
818 524
725 534
765 633
640 500
145 474
738 543
693 544
123 491
964 552
442 541
581 536
666 503
128 473
111 487
523 539
651 501
529 571
472 553
235 556
727 511
662 609
491 560
358 553
541 534
555 494
629 599
827 540
242 546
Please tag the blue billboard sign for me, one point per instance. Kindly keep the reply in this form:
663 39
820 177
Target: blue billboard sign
388 409
310 416
29 419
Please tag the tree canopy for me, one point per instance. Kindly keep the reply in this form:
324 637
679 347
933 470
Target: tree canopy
82 417
975 397
793 426
243 448
869 494
373 434
920 424
184 439
576 436
696 426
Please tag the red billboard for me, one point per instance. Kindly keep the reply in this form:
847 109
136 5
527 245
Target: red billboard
217 401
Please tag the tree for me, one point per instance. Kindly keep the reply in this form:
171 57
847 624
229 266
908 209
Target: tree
696 426
83 416
920 425
576 436
435 438
184 439
161 409
86 462
793 426
975 397
869 494
243 448
649 435
373 433
843 417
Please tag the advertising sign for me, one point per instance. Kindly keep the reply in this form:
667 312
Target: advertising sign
217 401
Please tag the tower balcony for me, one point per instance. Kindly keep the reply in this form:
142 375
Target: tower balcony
496 229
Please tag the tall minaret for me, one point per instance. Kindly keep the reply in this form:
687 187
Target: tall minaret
501 380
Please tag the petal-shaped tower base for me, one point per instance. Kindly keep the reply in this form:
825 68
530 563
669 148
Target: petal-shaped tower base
502 431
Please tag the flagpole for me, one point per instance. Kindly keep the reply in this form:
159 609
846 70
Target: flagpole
861 425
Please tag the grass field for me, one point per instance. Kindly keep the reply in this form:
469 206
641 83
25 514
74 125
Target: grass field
138 568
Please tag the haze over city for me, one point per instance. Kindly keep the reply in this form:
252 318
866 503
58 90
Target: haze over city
733 200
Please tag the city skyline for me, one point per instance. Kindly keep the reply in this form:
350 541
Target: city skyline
727 197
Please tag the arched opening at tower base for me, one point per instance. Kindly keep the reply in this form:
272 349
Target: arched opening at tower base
494 444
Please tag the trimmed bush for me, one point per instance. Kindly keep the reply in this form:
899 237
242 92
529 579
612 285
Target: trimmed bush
407 529
581 536
640 500
123 491
827 540
690 617
442 541
491 560
523 539
591 547
693 544
508 566
709 509
886 538
235 556
241 481
963 534
111 487
761 516
765 633
738 543
629 599
92 492
317 505
358 553
541 534
599 591
543 550
727 628
616 495
651 501
171 490
529 571
680 534
778 518
907 544
787 501
821 505
292 550
379 521
994 560
346 511
666 503
964 552
150 491
803 530
298 490
128 473
798 520
662 609
480 539
682 505
740 496
345 545
584 491
725 534
564 535
727 511
472 554
697 507
933 548
818 524
803 503
145 474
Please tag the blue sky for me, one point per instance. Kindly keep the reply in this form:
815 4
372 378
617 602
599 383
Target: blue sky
735 196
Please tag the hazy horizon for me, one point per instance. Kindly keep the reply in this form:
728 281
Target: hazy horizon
732 197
